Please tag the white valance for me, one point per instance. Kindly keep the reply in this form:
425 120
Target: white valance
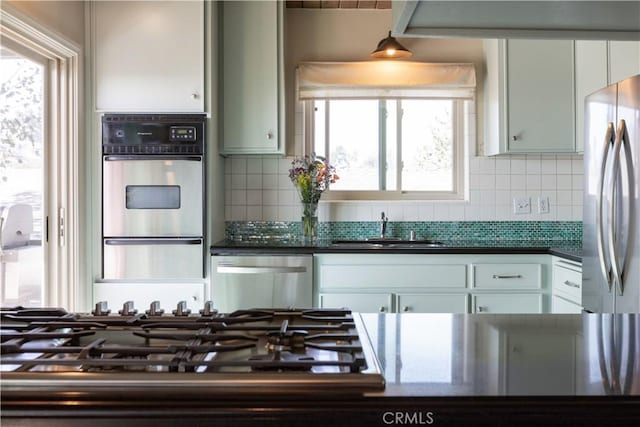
385 79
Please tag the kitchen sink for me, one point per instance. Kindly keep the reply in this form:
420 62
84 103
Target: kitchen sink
388 242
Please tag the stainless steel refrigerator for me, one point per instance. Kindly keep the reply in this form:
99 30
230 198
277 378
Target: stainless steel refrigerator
611 242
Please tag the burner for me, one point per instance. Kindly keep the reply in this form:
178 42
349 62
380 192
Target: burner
286 339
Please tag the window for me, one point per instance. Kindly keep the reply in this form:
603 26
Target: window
394 131
403 145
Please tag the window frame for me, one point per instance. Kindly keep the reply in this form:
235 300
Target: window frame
461 118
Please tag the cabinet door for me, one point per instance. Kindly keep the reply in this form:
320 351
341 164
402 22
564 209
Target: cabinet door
624 60
540 96
149 55
507 303
591 75
364 303
432 303
251 77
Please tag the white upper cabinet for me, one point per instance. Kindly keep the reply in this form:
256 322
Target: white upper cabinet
598 64
251 78
529 95
624 60
148 55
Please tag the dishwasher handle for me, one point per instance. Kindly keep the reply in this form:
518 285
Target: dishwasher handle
242 269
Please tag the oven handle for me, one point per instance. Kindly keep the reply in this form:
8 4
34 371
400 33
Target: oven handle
152 157
152 241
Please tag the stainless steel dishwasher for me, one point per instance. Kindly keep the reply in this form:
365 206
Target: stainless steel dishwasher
254 281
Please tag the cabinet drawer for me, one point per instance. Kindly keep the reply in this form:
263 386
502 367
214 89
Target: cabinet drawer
514 303
364 303
502 276
387 276
562 305
433 303
568 283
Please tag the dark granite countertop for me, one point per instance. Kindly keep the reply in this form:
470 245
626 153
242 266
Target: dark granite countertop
440 369
505 354
566 249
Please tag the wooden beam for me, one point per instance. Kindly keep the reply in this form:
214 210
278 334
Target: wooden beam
366 4
335 4
351 4
311 4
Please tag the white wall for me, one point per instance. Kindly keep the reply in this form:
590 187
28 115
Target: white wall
258 188
63 17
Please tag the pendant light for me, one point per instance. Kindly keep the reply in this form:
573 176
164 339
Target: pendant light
390 48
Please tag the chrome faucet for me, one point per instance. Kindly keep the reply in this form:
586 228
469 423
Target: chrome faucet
383 225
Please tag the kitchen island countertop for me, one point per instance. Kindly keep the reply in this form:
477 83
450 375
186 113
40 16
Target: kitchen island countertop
440 369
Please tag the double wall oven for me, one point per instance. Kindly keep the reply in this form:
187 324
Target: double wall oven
153 208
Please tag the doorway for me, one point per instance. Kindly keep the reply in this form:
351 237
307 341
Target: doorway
23 207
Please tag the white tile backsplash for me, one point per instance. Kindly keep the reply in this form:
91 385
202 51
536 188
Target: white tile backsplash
258 188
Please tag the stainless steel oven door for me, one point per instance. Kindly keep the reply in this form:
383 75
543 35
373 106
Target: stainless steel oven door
153 258
159 196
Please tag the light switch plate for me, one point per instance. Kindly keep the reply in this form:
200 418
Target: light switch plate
543 205
521 205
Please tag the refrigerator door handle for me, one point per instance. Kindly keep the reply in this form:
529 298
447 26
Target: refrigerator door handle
616 269
606 271
622 134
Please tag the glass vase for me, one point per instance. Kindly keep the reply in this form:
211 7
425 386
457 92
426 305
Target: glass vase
309 221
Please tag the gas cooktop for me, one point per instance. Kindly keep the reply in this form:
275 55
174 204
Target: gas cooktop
247 351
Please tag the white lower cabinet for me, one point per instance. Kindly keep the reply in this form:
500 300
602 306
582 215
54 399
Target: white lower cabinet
559 305
566 286
364 303
432 303
424 283
507 303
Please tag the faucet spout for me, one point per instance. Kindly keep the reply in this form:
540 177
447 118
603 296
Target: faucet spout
383 225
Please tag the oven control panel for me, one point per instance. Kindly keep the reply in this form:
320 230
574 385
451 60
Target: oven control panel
143 134
182 133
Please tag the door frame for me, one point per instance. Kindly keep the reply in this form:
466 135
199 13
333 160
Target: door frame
63 127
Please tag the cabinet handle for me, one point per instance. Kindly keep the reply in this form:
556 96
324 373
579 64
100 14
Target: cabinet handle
508 276
573 285
383 309
406 308
195 96
480 309
514 137
269 135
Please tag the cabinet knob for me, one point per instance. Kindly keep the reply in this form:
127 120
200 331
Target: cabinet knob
269 135
195 95
194 298
480 309
383 309
514 137
406 308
